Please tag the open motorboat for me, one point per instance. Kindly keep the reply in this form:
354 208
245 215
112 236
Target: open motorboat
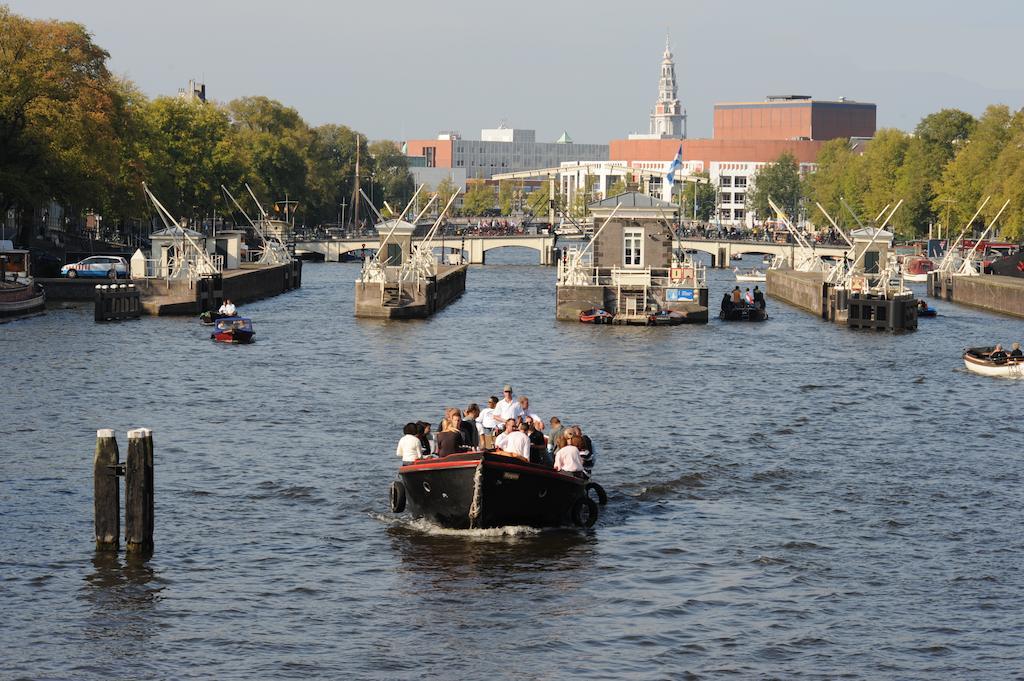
979 361
485 489
743 312
666 318
596 316
925 310
210 316
233 330
752 274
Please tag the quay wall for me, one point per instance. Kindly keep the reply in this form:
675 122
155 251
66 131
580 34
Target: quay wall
805 290
435 295
79 289
990 292
570 301
257 282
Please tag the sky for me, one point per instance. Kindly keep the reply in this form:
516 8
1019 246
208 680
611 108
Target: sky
406 69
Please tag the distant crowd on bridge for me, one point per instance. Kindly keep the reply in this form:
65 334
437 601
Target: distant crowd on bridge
713 232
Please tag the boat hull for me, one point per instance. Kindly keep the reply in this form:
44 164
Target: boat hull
511 492
743 314
235 337
976 363
22 300
915 278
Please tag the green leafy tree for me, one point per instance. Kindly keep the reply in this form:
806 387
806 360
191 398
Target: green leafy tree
445 190
479 199
391 174
188 151
538 201
705 194
273 142
967 177
59 115
780 181
506 196
945 132
620 186
1006 183
330 181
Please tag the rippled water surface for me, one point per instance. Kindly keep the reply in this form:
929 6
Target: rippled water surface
788 500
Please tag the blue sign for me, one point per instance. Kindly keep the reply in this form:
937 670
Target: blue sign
679 294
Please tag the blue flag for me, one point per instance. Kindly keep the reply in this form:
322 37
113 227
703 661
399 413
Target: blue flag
677 164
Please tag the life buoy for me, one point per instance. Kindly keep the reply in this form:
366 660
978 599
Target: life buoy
602 496
397 495
584 512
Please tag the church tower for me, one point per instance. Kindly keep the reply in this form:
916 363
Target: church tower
668 119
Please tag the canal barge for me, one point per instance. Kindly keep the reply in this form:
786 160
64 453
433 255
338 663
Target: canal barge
20 294
485 489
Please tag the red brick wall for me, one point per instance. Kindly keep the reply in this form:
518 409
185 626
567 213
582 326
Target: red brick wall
763 122
442 151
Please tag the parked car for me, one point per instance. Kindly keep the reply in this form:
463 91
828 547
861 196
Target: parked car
109 266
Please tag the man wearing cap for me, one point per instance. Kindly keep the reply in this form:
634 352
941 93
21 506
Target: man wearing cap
507 407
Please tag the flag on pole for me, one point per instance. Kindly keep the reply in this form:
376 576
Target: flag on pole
677 164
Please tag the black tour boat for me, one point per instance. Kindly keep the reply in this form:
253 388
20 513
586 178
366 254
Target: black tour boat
491 489
742 312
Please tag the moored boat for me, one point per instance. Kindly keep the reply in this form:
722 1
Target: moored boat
596 316
210 316
752 274
492 489
17 299
979 361
916 269
666 318
237 330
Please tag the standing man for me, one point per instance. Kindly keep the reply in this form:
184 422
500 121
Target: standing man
507 408
488 422
758 298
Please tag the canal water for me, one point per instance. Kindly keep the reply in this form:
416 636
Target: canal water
788 500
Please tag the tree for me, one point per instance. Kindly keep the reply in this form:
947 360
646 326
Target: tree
781 182
391 173
506 196
945 131
58 115
479 199
187 151
966 178
445 190
618 187
332 169
538 201
705 193
273 142
881 164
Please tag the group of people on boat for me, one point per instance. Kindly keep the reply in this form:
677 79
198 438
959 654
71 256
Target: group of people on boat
507 425
738 298
227 308
999 354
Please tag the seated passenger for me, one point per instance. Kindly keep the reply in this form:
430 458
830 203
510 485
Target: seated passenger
538 450
227 309
409 445
517 442
998 354
921 304
1015 351
501 439
473 420
449 440
726 302
425 437
567 458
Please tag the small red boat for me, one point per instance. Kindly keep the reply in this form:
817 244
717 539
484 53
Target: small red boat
917 268
233 330
666 318
596 316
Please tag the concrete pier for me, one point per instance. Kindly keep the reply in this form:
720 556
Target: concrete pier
994 293
805 290
809 291
389 301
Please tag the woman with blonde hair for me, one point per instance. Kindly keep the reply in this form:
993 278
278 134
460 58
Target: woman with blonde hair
449 440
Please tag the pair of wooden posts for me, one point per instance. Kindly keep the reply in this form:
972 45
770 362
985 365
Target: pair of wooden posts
137 470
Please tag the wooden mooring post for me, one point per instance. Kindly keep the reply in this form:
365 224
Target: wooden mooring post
139 491
106 491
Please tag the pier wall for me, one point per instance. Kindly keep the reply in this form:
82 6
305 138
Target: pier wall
994 293
571 300
805 290
434 296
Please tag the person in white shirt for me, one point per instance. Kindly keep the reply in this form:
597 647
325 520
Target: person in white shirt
515 441
227 308
487 415
409 447
524 406
567 458
507 408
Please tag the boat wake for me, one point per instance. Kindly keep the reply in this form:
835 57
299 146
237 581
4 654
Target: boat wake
425 527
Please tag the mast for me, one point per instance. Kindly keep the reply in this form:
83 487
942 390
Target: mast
355 192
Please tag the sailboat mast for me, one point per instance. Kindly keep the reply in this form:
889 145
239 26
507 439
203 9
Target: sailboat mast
355 192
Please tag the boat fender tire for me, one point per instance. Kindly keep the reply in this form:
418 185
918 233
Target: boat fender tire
397 496
602 496
584 512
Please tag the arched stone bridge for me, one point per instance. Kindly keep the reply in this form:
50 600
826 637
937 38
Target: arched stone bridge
475 247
